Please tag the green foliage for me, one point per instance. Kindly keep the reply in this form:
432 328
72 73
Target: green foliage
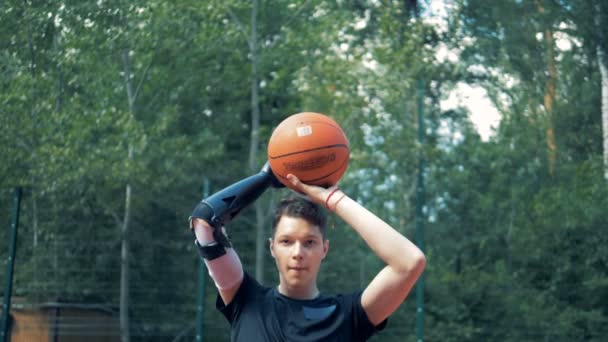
513 253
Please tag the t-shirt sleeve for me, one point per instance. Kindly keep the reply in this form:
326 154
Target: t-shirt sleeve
235 307
361 323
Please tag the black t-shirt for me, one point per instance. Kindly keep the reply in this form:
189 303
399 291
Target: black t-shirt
259 313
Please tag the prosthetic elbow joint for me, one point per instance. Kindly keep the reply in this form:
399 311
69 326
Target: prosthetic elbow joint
223 206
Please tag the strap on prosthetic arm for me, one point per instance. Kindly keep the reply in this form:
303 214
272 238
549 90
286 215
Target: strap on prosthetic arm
223 206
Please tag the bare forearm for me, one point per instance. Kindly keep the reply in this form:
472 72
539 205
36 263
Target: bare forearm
393 248
399 253
405 262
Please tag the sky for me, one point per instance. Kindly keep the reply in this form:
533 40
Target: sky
483 113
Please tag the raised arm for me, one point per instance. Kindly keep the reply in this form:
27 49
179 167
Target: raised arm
404 261
207 222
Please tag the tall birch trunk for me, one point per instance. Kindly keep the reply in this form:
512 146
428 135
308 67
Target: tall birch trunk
255 134
255 143
604 78
601 62
124 250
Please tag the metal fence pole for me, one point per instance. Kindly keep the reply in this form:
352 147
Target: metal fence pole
202 284
420 214
8 286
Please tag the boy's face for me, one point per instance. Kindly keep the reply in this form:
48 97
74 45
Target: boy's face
298 248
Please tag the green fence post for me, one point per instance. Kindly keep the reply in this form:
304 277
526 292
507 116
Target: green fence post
202 284
420 215
8 286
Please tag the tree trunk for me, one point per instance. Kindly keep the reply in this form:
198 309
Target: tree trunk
550 91
604 78
255 135
60 81
132 94
255 142
549 99
601 62
124 251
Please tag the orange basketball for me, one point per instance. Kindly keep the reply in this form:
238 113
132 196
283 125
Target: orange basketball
312 147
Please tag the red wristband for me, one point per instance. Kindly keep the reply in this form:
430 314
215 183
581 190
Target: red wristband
328 197
338 201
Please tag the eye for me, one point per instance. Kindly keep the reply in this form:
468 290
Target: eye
311 243
284 241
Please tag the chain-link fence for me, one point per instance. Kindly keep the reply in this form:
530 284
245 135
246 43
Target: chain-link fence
68 275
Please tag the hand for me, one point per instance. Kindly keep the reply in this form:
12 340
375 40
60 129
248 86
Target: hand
315 193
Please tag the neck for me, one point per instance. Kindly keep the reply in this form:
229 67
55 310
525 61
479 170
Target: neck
301 293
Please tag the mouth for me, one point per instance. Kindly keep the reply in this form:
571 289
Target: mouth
297 268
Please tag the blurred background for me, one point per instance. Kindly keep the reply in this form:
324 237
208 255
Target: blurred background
475 129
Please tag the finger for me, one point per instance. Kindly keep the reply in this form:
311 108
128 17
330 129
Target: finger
314 193
302 188
296 182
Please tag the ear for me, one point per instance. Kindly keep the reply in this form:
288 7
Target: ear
325 248
271 246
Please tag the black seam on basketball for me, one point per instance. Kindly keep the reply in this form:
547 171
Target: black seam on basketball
309 150
324 176
323 123
331 173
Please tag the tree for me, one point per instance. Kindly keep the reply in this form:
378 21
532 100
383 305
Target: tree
88 146
105 99
252 43
508 207
601 62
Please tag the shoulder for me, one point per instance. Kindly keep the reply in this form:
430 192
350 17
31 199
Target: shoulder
350 300
352 306
248 285
247 292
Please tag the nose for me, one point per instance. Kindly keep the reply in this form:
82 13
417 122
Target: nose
297 251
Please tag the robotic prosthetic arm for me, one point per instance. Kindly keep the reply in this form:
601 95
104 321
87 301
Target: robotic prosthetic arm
223 206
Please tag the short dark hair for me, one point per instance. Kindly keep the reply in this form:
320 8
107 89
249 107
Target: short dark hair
298 207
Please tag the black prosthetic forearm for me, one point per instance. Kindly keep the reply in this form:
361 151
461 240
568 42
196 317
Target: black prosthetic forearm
223 206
